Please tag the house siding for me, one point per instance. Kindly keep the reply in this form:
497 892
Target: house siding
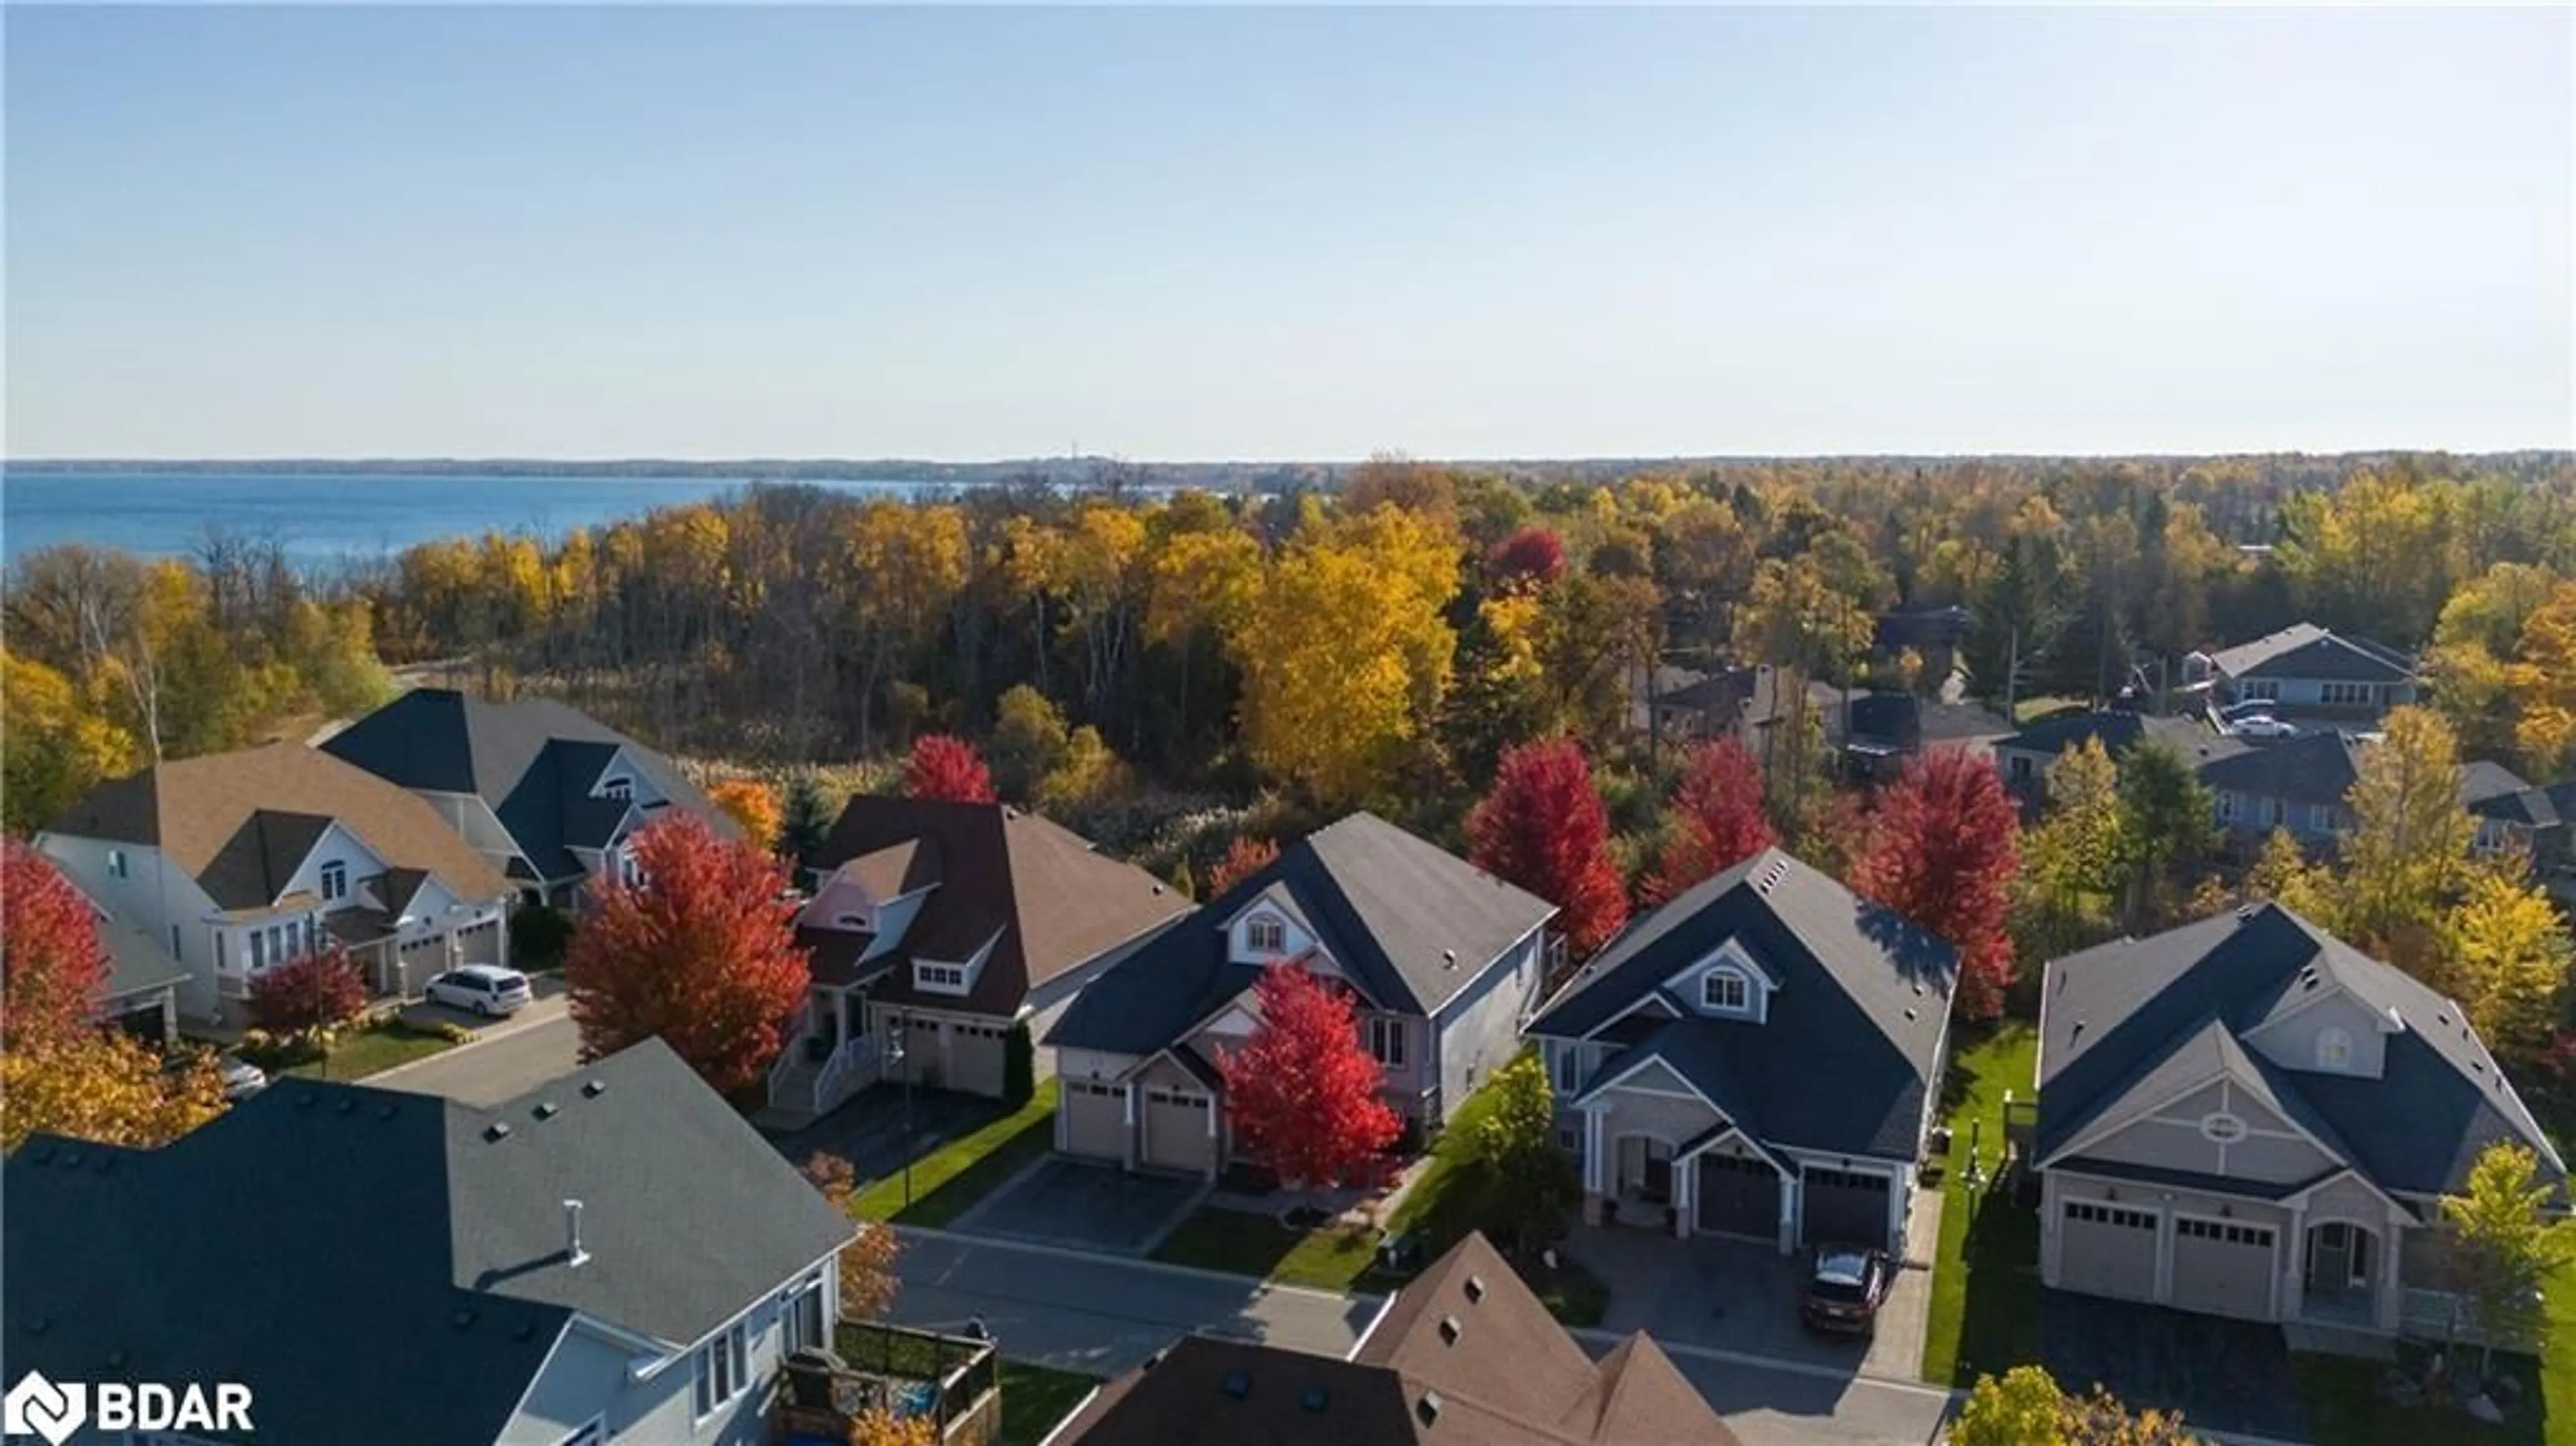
1478 1032
587 1377
2169 1137
2291 1042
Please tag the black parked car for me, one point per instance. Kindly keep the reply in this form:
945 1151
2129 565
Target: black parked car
1845 1288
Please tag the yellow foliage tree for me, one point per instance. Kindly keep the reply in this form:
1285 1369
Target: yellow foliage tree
105 1086
2408 853
2509 958
2544 683
56 746
753 806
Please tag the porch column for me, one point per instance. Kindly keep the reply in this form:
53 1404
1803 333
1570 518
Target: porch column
1900 1204
2294 1296
1685 1195
1592 1166
1127 1092
1790 1190
2392 1259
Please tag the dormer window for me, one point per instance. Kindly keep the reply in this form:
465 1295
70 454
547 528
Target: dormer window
2334 1049
1265 934
1725 991
335 881
934 978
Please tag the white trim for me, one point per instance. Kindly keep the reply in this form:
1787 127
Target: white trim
2110 1124
539 1373
1654 996
1055 1433
1733 1131
1614 1081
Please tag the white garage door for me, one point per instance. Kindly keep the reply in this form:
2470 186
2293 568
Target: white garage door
2107 1250
1095 1120
480 944
2223 1267
1176 1131
975 1058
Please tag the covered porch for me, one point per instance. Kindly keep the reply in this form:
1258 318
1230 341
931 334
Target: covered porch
830 1053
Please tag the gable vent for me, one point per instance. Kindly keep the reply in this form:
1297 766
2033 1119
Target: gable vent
1771 875
1450 1330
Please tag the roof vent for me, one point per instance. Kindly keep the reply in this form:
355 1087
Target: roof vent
116 1360
106 1163
1448 958
1475 1287
1314 1398
2076 1033
527 1331
592 1089
1909 1015
2244 912
1239 1384
344 1104
546 1109
71 1159
574 1255
304 1101
385 1111
1427 1410
38 1325
496 1131
1450 1330
461 1319
1153 1360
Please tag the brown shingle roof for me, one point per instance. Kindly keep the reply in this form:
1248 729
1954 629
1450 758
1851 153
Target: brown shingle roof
1058 903
1464 1355
239 823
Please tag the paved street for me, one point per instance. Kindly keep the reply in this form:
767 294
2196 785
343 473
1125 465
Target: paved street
513 1057
1103 1315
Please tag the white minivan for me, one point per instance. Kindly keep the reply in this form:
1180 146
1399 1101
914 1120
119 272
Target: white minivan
486 989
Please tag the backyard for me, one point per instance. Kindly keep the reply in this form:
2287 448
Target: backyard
1985 1284
947 1182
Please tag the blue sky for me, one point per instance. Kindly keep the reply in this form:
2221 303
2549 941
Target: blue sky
1171 234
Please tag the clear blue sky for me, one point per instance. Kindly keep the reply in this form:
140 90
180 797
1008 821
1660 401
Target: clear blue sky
1170 234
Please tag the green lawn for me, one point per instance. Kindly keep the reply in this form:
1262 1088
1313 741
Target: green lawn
1985 1284
949 1180
1036 1399
1330 1257
360 1053
2342 1406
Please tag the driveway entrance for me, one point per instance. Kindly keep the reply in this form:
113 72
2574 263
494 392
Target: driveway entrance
1063 1201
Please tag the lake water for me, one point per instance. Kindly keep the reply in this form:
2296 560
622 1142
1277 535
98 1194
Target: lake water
325 517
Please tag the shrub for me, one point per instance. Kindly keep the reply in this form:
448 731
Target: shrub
312 991
539 935
1019 1067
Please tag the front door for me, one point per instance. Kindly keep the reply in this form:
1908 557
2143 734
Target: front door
2338 1259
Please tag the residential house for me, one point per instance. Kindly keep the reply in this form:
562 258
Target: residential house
2302 784
2245 1116
2512 816
237 862
2309 673
614 1255
1934 635
1701 706
2024 757
1442 958
141 995
1465 1352
947 926
1691 1060
547 793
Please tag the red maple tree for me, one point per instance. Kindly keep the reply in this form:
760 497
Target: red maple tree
1720 820
1530 557
1301 1092
1944 844
51 961
1543 828
944 765
315 990
701 952
1244 857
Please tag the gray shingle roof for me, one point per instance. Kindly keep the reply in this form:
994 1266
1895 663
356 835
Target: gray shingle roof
1387 906
2304 650
2117 1014
376 1267
533 760
2119 732
1862 1001
2311 768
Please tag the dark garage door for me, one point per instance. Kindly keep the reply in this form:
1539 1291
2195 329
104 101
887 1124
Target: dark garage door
1844 1207
1738 1197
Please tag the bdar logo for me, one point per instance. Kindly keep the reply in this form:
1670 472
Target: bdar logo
37 1407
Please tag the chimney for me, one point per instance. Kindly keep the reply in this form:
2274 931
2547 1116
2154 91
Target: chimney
574 1254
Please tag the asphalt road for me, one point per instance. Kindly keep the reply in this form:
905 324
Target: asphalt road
514 1057
1101 1314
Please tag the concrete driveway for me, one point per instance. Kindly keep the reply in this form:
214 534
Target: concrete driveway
869 1130
2222 1375
508 1057
1741 1297
1091 1207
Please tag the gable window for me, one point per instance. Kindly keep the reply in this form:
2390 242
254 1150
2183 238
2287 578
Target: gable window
335 881
1263 934
1386 1040
723 1369
1725 991
1565 1066
2334 1049
617 788
116 863
938 978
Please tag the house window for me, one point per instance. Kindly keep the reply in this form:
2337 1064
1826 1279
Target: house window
723 1369
629 871
1386 1041
335 882
2020 767
2321 817
1569 1138
939 978
1726 991
2258 689
617 788
2229 806
174 945
2271 812
2334 1049
258 950
116 863
1263 934
802 1314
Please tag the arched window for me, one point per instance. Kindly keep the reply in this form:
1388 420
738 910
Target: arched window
1263 934
2334 1049
1726 990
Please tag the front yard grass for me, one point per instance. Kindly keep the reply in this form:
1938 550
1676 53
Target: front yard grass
2340 1397
1036 1399
1328 1257
1985 1282
359 1053
948 1181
